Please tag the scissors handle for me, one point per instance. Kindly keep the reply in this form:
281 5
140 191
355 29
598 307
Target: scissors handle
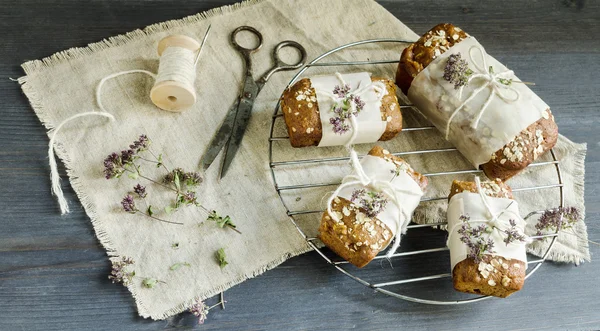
281 65
245 51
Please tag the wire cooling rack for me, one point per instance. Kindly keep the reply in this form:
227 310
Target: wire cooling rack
383 283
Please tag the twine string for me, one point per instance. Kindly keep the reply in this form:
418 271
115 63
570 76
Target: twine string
491 80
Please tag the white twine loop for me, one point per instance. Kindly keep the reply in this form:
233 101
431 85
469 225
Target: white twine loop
54 176
491 80
493 221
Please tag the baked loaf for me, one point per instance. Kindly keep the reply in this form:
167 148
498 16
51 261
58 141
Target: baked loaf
516 155
301 113
494 275
357 238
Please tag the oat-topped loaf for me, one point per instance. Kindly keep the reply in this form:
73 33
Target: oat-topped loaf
487 254
443 69
363 220
316 113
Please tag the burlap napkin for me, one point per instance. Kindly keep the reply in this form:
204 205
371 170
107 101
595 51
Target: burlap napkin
63 85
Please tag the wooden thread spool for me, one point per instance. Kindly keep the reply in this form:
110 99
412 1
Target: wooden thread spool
173 95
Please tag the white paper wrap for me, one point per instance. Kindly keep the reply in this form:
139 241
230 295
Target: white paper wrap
502 120
379 169
467 203
370 125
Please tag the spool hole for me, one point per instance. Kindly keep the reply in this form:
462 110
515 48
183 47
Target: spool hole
172 98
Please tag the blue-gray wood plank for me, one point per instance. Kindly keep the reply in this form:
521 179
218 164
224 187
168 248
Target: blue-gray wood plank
53 270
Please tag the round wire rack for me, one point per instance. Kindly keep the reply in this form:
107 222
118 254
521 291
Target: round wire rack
382 283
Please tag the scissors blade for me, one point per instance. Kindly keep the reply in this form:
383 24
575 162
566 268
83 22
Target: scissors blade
221 137
242 119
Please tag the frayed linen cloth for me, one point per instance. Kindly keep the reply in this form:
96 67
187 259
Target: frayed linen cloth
63 85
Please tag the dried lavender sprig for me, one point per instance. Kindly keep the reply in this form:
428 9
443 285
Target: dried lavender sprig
551 219
513 234
372 202
128 204
119 272
457 71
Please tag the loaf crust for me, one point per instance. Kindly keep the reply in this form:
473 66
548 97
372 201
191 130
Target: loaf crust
517 154
301 113
504 276
359 240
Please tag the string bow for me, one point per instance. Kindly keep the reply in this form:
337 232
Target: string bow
490 80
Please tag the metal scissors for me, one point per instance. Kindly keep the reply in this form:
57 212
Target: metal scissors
232 130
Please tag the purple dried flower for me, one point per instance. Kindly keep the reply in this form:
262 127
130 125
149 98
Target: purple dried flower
341 91
339 125
457 71
360 104
192 178
472 237
141 144
343 108
372 202
170 177
200 310
189 197
119 272
357 193
112 166
551 219
140 191
129 204
127 156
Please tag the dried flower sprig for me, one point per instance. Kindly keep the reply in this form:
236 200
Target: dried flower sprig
372 202
512 234
121 272
182 183
457 71
200 309
129 205
473 237
347 105
551 219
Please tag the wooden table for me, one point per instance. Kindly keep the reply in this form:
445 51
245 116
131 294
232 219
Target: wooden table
53 270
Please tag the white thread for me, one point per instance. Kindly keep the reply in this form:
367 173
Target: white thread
177 64
493 220
491 81
54 176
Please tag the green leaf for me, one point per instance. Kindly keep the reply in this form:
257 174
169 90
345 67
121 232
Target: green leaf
221 258
149 211
178 265
177 181
175 246
133 175
221 221
149 282
168 209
